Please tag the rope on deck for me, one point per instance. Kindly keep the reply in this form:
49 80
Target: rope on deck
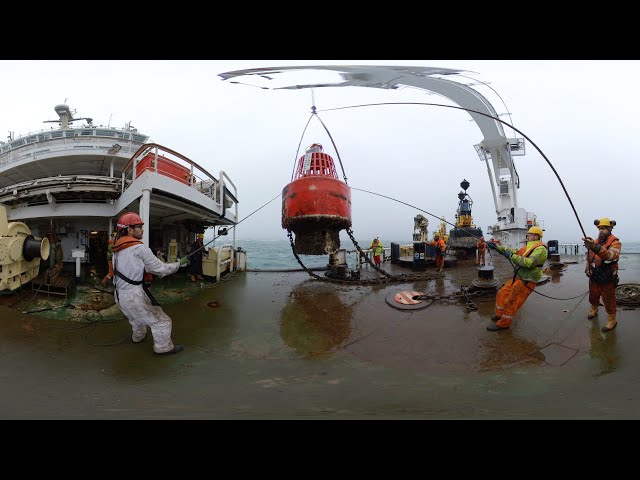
628 294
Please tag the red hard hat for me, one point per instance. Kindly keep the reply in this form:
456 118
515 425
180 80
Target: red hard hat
128 219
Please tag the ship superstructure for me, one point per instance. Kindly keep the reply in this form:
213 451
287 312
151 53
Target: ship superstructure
74 181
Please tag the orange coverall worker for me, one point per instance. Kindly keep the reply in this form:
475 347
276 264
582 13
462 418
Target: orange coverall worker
602 270
528 261
439 245
482 250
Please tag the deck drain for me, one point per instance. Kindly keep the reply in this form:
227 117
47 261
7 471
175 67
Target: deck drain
404 300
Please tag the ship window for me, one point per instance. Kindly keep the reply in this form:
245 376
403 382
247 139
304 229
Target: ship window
84 133
42 137
138 138
17 143
56 134
105 133
31 139
122 135
70 133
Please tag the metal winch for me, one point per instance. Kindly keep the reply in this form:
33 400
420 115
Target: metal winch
20 253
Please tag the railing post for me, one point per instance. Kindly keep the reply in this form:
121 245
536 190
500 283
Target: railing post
155 160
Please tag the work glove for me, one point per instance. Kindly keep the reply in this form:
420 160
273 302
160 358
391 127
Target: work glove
507 254
184 261
591 244
492 245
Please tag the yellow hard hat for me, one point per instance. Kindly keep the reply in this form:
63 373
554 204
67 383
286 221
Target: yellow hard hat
605 222
200 235
536 230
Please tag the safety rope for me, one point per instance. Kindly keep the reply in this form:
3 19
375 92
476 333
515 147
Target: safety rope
628 294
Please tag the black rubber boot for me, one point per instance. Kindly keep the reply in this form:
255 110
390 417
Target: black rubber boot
175 349
495 328
495 318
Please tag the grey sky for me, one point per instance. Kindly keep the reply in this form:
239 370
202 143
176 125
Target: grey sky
580 113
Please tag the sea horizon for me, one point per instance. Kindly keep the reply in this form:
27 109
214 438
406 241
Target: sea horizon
271 254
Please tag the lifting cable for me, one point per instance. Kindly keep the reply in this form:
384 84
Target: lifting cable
234 226
471 234
314 113
493 118
484 115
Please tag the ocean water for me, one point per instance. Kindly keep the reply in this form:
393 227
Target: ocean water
277 254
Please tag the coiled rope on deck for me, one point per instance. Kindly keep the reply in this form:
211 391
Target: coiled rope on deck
628 294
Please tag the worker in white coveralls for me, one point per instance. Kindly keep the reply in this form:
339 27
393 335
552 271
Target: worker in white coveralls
133 263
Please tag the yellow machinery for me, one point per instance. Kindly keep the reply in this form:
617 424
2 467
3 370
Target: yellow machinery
420 224
465 235
20 253
219 260
442 230
172 251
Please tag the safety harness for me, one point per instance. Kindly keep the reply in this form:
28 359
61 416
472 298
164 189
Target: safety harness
121 244
603 271
524 252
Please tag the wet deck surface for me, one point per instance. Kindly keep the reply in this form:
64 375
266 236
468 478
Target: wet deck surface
281 345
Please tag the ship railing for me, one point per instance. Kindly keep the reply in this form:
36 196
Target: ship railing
360 259
180 168
571 248
48 143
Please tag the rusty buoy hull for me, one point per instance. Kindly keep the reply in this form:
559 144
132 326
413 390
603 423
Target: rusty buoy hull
316 208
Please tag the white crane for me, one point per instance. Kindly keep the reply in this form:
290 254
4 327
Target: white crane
496 150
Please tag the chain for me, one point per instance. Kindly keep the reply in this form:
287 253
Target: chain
293 248
386 278
362 252
465 292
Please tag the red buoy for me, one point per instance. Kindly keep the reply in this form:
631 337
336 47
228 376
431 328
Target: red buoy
316 205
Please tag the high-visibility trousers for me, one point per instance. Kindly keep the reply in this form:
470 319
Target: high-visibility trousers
510 299
608 293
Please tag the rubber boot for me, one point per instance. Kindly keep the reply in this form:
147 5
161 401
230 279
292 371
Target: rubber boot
175 349
611 323
593 312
